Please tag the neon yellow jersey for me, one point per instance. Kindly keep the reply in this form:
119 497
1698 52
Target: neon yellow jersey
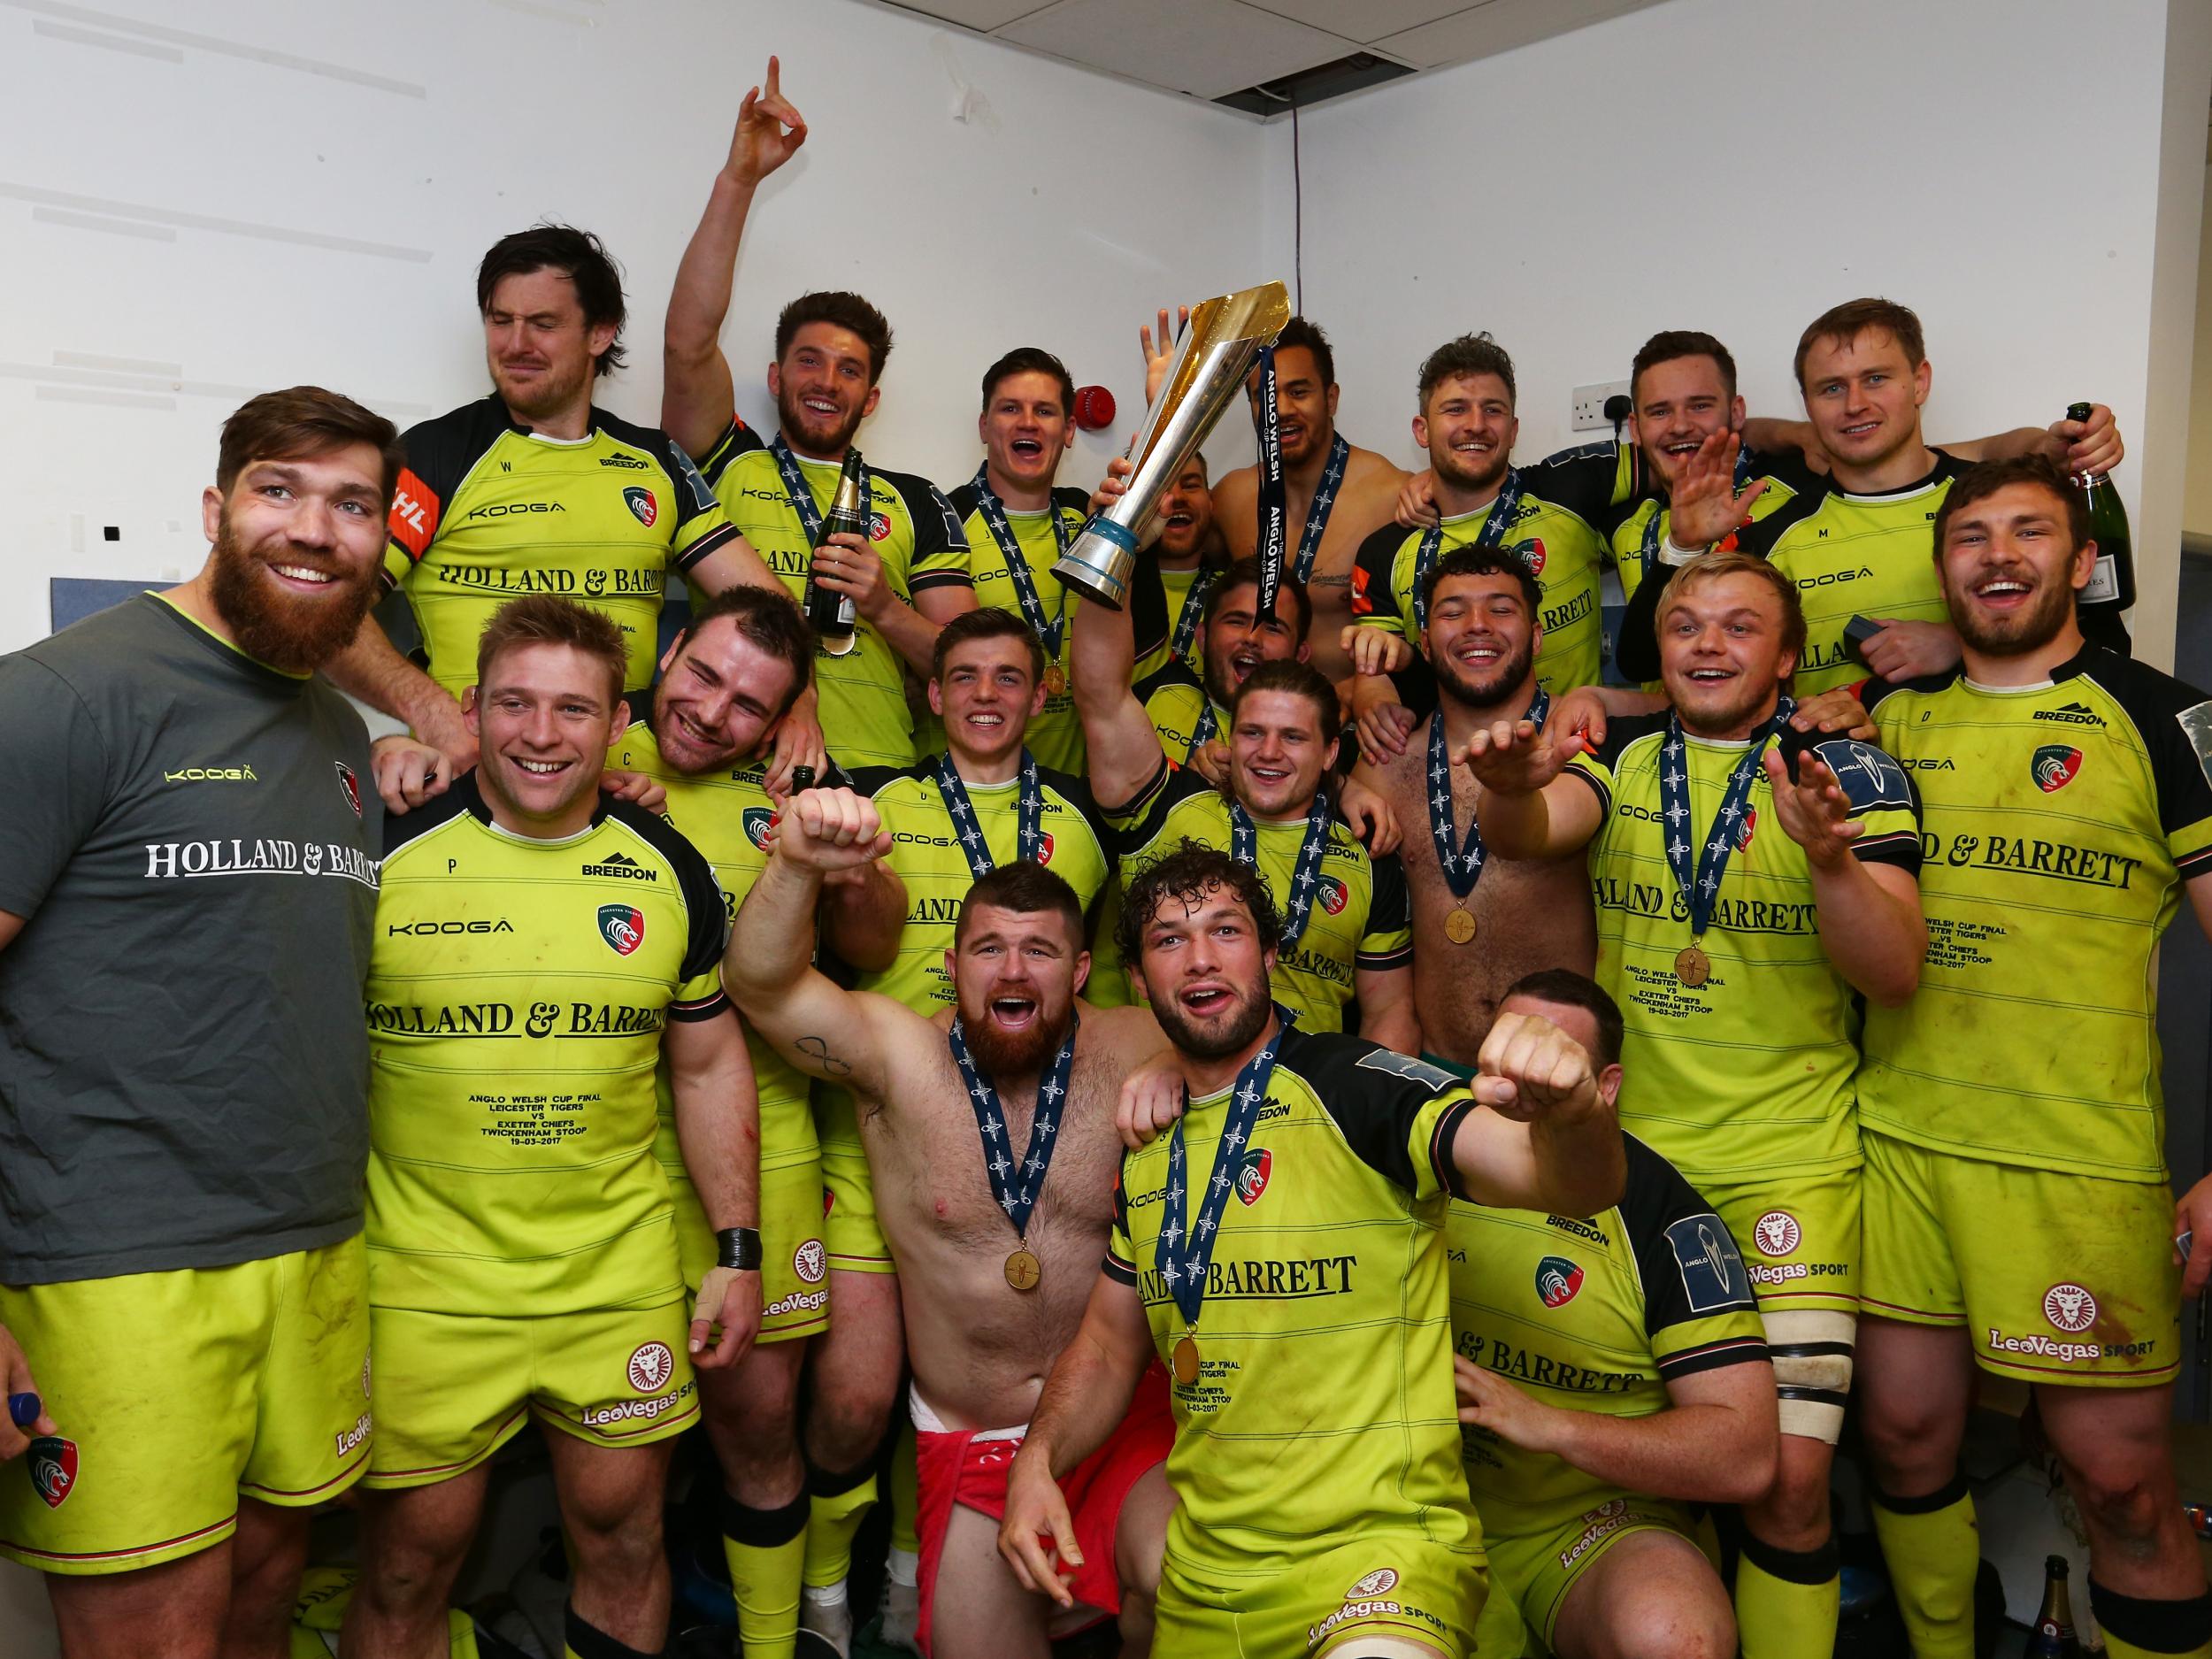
862 695
927 855
1751 1072
1359 921
517 995
725 814
1055 736
1176 702
486 510
1325 1405
2060 821
1559 528
1596 1314
1867 556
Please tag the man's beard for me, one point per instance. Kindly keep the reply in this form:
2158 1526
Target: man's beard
1218 1043
296 635
1452 470
1505 681
792 412
999 1054
552 394
2017 635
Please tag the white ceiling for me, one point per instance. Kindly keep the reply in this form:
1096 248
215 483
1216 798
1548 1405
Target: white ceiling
1208 48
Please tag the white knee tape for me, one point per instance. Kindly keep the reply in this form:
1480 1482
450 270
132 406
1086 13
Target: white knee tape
1812 1350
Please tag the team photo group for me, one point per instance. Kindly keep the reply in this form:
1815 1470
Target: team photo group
1215 1041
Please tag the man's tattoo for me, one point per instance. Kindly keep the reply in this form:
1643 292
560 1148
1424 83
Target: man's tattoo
819 1049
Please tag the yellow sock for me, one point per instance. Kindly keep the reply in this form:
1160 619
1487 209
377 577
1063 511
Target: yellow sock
906 1492
2137 1627
840 1504
765 1549
1932 1547
1786 1600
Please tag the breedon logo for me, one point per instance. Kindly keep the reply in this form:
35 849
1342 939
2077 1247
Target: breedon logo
2054 766
622 927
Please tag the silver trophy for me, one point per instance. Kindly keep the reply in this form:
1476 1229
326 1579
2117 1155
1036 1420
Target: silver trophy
1223 340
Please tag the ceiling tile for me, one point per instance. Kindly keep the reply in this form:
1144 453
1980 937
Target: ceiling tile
1365 20
1498 26
1204 46
982 15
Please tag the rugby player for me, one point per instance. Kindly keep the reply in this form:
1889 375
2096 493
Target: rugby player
990 1137
2018 1215
1741 911
909 575
539 947
186 896
1282 1250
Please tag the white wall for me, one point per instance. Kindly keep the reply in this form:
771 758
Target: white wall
290 193
1738 166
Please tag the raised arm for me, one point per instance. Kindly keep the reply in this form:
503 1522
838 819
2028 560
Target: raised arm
717 1123
825 1030
1715 1442
1123 746
697 399
1549 1141
863 916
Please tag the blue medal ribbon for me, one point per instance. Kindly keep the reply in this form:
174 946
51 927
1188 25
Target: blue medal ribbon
1016 1198
1244 845
1700 884
1492 533
1183 1254
1318 510
1202 733
1029 814
802 496
1194 608
1461 865
1010 550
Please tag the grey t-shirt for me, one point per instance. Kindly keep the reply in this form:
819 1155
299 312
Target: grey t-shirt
184 1062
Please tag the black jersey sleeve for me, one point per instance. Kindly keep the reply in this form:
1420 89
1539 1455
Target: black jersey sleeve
1399 1115
53 776
737 439
1689 1263
940 539
1120 1265
1387 941
1373 575
1141 818
2174 719
1591 480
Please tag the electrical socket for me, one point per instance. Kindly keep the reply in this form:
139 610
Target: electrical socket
1589 405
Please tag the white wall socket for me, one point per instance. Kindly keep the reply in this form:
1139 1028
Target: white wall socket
1589 409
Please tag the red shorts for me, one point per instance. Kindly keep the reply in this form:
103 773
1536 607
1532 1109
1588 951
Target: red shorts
967 1469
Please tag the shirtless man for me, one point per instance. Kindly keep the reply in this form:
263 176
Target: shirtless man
996 1257
1335 495
1487 922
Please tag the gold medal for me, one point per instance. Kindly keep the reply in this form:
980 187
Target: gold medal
1056 680
1186 1360
1023 1270
1459 925
1692 966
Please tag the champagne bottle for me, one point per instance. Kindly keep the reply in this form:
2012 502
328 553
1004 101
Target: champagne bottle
831 613
2112 582
2053 1637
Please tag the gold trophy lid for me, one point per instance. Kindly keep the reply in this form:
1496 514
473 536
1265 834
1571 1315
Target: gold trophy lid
1254 314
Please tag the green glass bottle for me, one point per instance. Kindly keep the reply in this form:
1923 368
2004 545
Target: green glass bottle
2112 582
